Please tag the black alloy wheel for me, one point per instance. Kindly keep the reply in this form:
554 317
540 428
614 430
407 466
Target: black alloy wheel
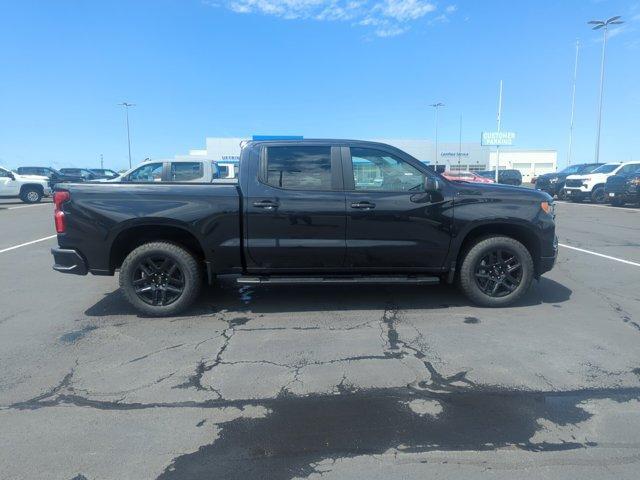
498 273
158 280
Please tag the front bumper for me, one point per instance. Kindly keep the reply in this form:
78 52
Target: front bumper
68 261
576 192
547 263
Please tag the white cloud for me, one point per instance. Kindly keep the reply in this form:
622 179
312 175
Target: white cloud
387 18
404 10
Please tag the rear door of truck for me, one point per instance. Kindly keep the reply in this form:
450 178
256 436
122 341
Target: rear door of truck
295 209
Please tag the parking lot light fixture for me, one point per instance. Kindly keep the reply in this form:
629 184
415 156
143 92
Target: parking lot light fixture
597 25
437 106
126 106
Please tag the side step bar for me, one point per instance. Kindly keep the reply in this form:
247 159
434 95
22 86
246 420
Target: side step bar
269 279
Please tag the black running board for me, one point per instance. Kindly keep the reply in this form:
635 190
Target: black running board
272 279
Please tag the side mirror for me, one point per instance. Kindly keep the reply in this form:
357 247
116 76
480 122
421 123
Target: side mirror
11 176
431 184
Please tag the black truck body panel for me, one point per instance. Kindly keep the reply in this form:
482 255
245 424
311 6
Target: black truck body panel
253 227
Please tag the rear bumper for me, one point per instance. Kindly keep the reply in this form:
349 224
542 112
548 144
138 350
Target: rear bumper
68 261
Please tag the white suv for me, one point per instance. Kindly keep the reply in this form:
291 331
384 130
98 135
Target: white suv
30 188
590 185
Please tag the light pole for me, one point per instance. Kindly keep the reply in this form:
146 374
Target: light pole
499 121
573 102
437 107
597 25
126 106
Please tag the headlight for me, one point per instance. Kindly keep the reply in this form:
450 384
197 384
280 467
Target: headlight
554 180
635 181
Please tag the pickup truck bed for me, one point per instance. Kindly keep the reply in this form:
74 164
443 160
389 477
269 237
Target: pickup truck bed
312 211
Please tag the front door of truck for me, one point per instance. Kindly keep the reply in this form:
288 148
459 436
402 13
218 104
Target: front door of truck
392 222
296 209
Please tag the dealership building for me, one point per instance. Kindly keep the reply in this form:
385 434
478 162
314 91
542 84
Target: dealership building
455 156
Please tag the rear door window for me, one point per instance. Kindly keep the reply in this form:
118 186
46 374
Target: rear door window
298 167
185 171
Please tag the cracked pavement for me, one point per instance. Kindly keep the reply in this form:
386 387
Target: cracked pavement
332 382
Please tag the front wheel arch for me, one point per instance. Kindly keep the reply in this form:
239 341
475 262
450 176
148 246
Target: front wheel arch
525 235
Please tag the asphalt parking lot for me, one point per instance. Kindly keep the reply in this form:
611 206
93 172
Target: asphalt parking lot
332 382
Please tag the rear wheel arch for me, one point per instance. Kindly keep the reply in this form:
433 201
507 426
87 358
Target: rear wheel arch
30 188
133 237
35 186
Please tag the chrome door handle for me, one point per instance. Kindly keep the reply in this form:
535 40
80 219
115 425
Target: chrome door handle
266 204
363 205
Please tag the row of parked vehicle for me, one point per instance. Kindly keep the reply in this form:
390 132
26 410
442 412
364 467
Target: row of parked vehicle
615 183
30 184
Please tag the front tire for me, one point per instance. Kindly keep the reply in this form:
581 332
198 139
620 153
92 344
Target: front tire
160 279
617 202
598 195
31 194
496 272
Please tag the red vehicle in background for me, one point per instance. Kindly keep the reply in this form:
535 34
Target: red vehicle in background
465 177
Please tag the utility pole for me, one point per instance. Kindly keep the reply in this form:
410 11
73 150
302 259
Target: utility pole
499 120
598 24
460 143
437 106
101 162
126 106
573 102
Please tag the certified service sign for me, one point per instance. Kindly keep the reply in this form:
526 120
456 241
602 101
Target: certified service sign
494 139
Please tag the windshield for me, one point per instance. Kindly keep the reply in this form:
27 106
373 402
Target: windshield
571 169
608 168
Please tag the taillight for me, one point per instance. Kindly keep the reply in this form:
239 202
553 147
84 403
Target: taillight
59 198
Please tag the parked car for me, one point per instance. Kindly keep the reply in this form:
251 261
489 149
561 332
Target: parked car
624 186
591 185
301 213
52 174
507 177
29 188
470 177
193 171
105 173
86 174
553 183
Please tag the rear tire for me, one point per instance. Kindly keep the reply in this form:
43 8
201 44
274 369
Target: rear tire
482 269
160 279
30 194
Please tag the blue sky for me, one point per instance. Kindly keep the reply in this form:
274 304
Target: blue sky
318 68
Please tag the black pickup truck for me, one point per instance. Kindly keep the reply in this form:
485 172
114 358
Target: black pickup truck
309 211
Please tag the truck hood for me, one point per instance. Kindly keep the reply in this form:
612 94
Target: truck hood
598 177
501 190
31 177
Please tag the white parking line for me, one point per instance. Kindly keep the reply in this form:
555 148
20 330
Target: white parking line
624 209
28 243
628 262
27 206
